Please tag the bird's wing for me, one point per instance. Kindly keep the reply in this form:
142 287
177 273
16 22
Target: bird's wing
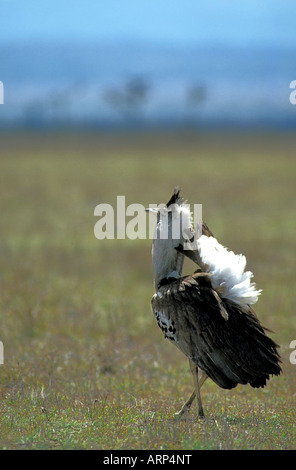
225 340
191 252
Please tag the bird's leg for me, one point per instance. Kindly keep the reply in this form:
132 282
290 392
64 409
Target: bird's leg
201 377
194 370
186 407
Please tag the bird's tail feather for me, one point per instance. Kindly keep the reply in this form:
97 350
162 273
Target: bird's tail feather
228 271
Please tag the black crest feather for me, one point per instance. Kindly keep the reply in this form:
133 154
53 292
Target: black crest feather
175 198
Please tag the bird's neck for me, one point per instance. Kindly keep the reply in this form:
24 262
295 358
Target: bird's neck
169 265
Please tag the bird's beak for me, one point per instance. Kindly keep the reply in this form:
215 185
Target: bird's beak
191 253
153 210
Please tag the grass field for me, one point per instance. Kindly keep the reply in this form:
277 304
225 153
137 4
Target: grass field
85 365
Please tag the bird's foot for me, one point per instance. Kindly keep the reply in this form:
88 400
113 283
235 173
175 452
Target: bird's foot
201 414
183 412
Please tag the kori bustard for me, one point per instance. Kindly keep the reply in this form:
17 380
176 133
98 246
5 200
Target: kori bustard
208 314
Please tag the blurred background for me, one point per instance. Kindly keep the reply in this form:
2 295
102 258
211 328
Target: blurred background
142 64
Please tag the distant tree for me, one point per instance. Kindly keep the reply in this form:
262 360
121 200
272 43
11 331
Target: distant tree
129 99
196 96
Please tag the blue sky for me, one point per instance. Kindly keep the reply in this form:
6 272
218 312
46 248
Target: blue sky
257 22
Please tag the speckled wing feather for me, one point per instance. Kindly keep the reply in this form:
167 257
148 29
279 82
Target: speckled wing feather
225 340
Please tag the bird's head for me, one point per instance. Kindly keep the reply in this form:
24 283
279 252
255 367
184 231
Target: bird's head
172 234
174 221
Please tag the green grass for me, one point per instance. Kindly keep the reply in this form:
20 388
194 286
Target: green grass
85 364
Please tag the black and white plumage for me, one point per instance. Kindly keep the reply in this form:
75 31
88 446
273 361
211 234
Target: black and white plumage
208 315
